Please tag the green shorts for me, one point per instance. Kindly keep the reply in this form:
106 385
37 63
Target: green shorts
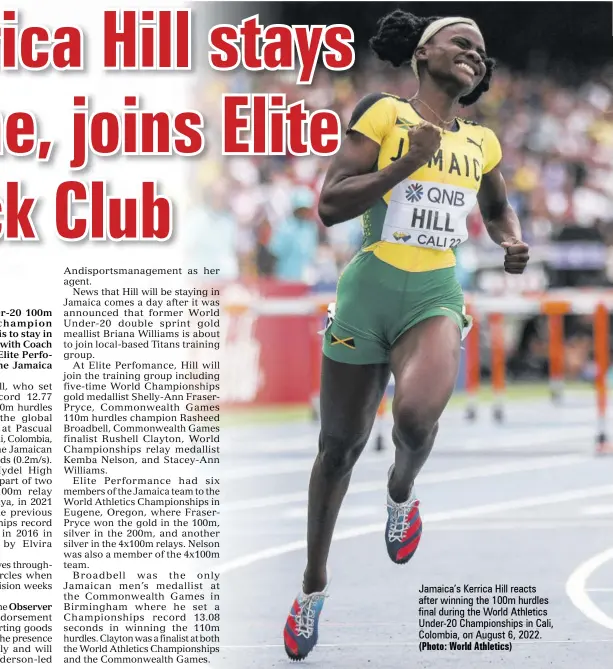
376 303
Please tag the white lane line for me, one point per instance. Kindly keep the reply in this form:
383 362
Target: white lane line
437 517
276 467
272 445
348 512
470 526
383 644
575 588
480 526
516 437
598 510
379 485
531 438
483 526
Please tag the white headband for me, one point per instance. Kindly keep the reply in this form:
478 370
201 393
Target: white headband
435 27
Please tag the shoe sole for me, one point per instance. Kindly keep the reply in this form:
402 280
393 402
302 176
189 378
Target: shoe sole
403 561
293 657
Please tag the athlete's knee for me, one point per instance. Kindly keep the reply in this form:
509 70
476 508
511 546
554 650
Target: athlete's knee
413 426
339 453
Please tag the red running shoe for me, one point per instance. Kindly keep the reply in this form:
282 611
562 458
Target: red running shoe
403 529
301 629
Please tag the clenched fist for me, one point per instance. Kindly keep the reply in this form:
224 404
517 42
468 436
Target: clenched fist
424 140
516 257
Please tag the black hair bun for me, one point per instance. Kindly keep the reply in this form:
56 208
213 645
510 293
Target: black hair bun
397 36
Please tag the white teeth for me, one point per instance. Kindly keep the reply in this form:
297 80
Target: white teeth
466 67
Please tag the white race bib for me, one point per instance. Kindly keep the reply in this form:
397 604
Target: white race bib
428 214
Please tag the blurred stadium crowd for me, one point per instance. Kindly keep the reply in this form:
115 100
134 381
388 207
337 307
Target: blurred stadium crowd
557 162
256 218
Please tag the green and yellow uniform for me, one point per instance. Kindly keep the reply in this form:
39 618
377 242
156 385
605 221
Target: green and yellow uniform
405 270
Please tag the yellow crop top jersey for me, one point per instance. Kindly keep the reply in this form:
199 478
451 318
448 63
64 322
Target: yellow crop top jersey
417 225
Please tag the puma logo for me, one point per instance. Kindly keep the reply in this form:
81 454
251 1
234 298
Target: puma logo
479 146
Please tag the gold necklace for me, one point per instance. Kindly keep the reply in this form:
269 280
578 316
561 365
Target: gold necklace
445 124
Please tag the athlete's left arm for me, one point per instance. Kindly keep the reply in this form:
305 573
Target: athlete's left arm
501 221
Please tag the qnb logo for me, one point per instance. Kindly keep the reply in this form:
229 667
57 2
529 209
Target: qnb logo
401 236
414 192
455 198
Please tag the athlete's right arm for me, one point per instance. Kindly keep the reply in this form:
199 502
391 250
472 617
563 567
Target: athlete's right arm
351 186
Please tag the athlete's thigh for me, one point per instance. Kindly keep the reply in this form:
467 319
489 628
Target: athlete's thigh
425 361
350 396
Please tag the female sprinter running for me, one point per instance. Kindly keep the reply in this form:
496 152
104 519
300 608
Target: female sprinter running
414 172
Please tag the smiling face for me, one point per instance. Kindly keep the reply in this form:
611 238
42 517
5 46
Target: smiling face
455 55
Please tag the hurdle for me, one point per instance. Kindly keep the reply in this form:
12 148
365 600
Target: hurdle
473 365
496 324
486 309
555 312
601 355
